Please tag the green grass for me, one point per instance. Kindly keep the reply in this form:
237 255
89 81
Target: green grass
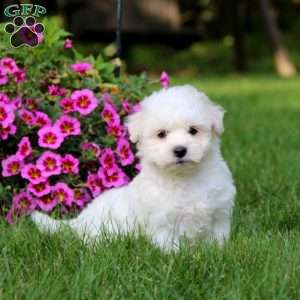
262 259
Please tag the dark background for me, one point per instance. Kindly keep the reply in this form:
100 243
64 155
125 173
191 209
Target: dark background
228 35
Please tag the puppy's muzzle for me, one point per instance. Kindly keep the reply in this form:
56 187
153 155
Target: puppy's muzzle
180 151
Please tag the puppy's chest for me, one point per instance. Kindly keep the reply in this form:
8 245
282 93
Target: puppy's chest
182 211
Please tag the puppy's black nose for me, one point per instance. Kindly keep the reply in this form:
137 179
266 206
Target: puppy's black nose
180 151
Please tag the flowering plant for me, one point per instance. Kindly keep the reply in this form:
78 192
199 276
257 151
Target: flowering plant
62 135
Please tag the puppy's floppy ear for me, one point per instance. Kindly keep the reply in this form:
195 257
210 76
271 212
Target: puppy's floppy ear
217 114
134 124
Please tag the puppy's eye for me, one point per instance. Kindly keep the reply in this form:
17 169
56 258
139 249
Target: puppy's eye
162 134
193 131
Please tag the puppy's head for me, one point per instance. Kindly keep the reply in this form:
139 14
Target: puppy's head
175 127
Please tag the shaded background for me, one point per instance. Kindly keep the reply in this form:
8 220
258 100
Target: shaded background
188 36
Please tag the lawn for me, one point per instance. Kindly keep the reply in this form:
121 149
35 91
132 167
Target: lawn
262 259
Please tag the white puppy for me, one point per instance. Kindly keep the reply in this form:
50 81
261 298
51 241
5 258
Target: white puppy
185 189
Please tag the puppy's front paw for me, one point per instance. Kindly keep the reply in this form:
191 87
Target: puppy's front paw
166 243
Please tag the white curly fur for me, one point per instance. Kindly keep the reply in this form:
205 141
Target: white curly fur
171 198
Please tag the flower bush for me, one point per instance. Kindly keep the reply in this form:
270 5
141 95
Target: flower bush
62 135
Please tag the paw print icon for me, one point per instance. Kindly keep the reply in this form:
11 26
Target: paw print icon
25 32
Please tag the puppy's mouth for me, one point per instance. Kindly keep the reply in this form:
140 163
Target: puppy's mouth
183 162
182 166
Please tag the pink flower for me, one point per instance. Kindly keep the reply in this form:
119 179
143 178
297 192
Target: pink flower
107 159
63 194
10 216
115 129
19 76
24 203
70 164
42 119
7 115
55 90
130 108
68 43
11 166
4 98
126 106
49 163
138 167
136 107
94 184
27 116
67 105
109 114
46 203
8 65
124 152
67 125
31 104
164 79
16 102
92 147
40 189
81 67
32 173
81 197
85 101
24 148
107 98
6 131
50 137
115 178
3 77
